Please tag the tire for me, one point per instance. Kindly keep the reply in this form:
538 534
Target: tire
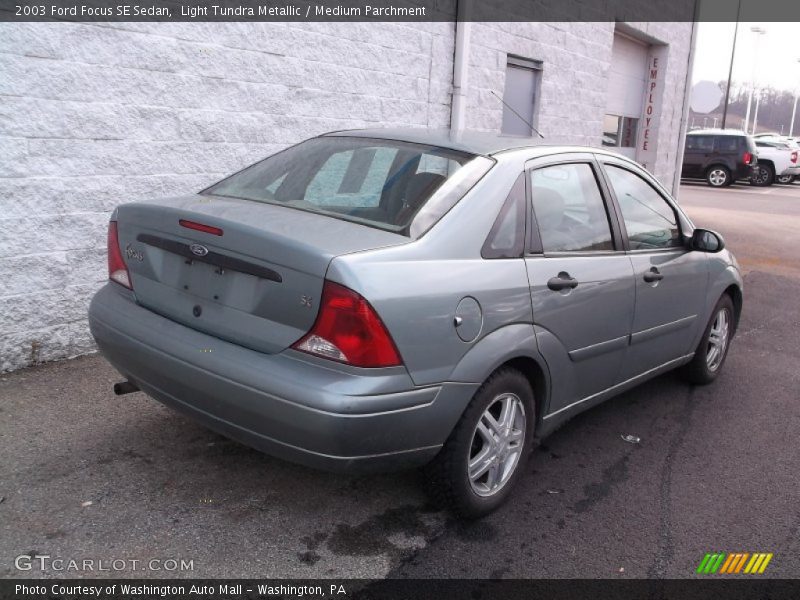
785 179
705 366
447 477
764 175
718 176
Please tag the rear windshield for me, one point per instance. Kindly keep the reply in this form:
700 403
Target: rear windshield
381 183
779 145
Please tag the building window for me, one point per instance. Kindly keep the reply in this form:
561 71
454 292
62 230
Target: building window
619 131
521 96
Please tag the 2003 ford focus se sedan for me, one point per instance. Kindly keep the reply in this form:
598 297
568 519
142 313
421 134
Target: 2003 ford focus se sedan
394 298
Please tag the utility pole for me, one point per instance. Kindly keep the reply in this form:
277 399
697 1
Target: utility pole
730 69
759 31
794 108
755 114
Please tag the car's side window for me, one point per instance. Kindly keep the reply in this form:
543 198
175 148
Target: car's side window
727 143
699 143
569 209
650 221
507 237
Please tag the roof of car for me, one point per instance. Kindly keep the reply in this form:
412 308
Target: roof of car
716 132
772 137
473 142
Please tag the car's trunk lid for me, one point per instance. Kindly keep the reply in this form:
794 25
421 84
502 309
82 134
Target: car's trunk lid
258 284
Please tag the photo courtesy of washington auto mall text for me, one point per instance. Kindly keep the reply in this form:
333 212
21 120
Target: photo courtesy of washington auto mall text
177 589
399 300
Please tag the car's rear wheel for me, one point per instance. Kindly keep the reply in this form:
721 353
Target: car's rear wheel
713 348
763 176
784 179
718 176
487 451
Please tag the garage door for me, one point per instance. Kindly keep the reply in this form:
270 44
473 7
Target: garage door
625 97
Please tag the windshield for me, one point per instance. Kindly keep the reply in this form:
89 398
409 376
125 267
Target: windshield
381 183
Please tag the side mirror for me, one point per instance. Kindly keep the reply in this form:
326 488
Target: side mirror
705 240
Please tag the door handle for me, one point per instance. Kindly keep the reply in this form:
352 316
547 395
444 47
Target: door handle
562 282
653 275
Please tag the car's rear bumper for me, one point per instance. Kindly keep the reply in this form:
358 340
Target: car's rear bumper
745 171
288 405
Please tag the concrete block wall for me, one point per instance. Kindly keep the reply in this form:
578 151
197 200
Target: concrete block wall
575 60
93 115
678 37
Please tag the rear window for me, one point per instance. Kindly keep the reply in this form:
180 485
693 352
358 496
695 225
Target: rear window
380 183
779 145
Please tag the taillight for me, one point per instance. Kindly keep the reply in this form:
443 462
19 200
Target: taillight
794 156
117 271
747 158
348 330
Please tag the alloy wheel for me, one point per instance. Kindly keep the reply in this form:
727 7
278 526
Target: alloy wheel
762 176
497 443
717 177
718 340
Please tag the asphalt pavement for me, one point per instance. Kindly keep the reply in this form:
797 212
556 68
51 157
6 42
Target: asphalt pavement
87 475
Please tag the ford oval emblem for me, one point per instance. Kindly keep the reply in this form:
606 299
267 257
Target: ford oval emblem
198 249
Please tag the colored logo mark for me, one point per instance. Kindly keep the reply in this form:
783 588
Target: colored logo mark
721 563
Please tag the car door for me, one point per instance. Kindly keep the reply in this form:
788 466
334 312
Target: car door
699 154
581 281
671 280
728 152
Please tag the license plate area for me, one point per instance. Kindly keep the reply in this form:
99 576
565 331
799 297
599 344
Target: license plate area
206 282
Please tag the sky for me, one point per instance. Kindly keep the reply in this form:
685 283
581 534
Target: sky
776 52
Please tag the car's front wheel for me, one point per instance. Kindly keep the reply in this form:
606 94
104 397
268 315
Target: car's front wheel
486 453
718 176
713 348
